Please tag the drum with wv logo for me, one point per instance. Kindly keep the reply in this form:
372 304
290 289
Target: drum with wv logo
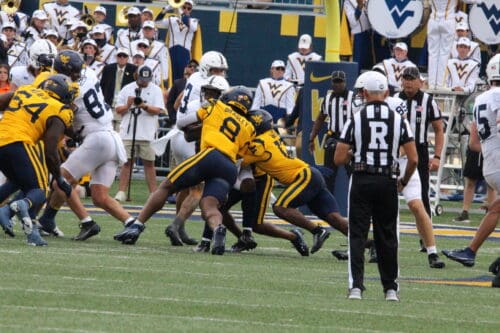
395 18
484 21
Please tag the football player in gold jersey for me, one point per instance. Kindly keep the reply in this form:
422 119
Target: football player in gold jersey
304 184
34 115
225 134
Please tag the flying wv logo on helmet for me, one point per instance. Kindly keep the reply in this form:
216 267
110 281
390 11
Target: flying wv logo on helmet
398 11
493 16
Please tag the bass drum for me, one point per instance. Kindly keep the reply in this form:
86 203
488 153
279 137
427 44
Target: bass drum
484 22
395 19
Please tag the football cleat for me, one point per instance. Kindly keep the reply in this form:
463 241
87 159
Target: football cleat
185 237
130 234
318 239
5 221
172 233
35 239
299 243
21 208
219 240
204 246
245 242
464 256
87 230
340 255
434 261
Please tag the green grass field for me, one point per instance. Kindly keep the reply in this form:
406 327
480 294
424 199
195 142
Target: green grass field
103 286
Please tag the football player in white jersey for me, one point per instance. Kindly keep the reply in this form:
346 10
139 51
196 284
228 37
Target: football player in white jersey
211 63
41 55
100 154
485 136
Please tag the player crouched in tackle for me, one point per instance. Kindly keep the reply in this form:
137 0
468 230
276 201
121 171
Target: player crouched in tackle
225 135
33 115
304 184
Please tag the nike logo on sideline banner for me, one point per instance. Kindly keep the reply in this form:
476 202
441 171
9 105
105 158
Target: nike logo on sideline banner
314 78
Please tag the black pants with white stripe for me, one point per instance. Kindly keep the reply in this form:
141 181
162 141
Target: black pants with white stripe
423 172
373 198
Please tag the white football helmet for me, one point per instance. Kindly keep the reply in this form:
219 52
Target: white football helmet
361 80
217 82
493 68
42 53
212 59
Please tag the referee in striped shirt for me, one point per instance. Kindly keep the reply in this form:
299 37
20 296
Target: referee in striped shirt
337 107
372 138
422 112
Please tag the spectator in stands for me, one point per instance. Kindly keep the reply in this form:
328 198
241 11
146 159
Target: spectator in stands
177 88
181 33
60 12
462 30
16 51
100 16
4 78
115 76
394 66
144 99
101 37
37 25
275 95
156 50
462 72
296 62
125 36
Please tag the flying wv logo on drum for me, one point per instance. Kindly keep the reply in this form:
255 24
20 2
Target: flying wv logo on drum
493 16
398 11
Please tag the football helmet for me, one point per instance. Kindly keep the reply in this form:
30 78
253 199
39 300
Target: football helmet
212 59
42 53
239 98
379 68
361 80
261 120
69 63
216 82
493 68
59 87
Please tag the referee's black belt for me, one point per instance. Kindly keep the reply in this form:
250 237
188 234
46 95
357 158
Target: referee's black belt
375 170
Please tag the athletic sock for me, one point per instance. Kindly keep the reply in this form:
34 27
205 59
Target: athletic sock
128 220
316 230
86 220
431 249
50 213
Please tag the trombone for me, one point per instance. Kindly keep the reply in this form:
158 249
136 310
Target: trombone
87 18
176 3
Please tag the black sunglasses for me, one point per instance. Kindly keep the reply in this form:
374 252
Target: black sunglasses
187 8
122 55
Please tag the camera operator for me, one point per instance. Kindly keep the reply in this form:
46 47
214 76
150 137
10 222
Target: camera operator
143 100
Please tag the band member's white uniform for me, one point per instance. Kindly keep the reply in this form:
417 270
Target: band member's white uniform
275 96
462 73
59 15
440 35
394 70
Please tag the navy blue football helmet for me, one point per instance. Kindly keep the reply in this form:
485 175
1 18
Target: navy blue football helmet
58 86
239 98
69 63
261 120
